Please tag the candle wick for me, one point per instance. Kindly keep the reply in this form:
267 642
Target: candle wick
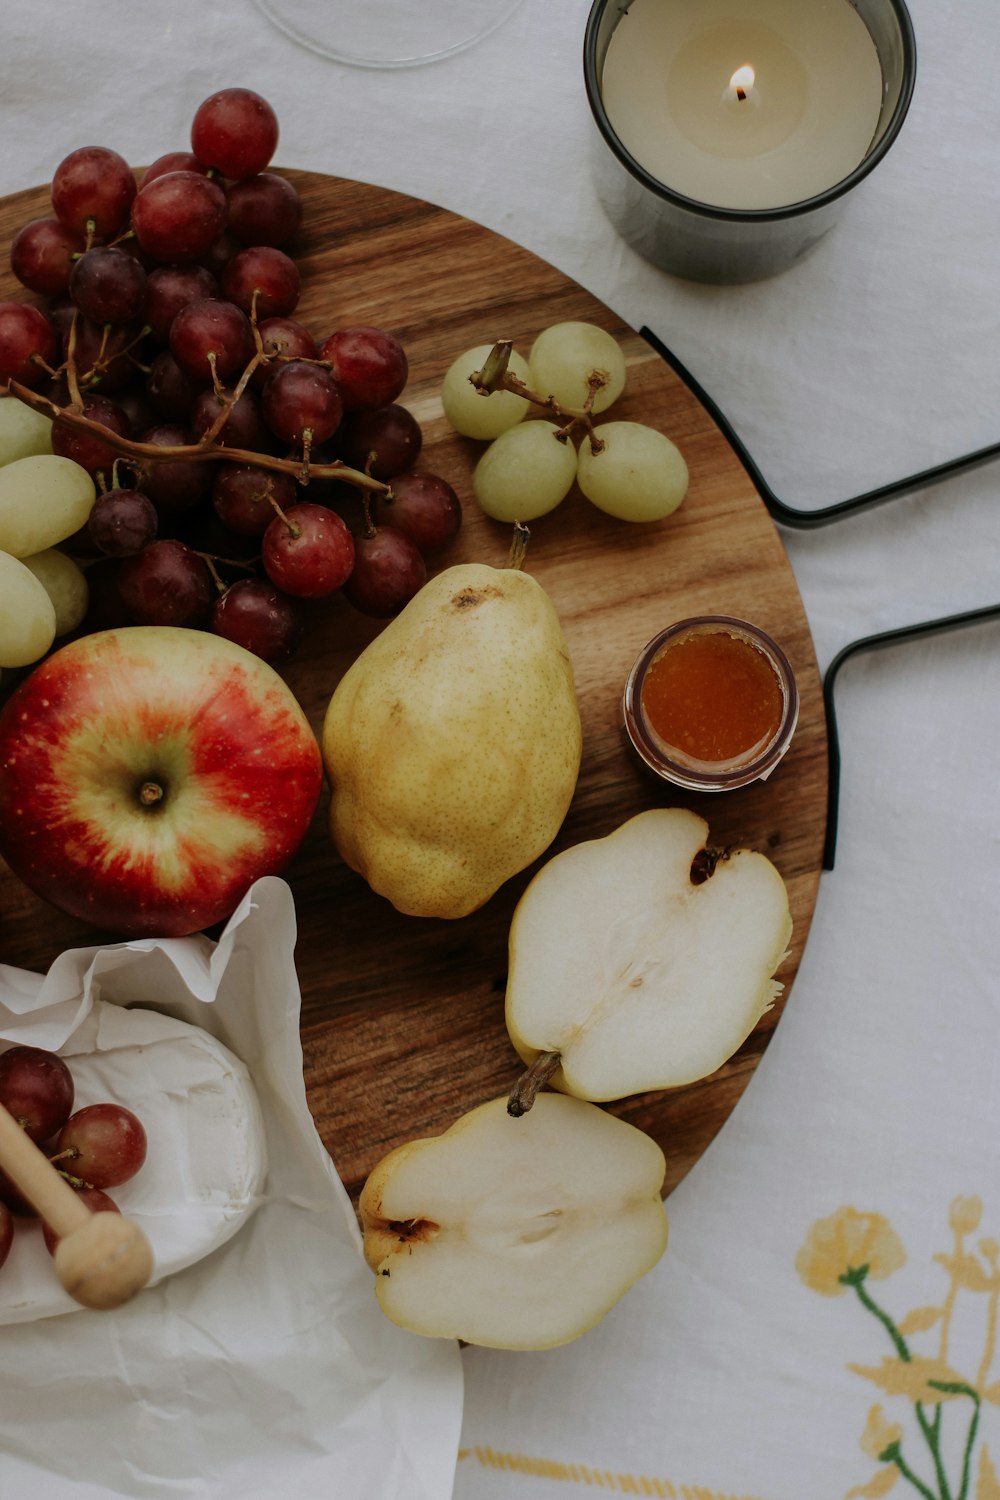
740 92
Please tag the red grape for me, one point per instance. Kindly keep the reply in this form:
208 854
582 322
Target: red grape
282 339
173 161
26 338
36 1087
41 255
96 1200
15 1200
169 288
263 281
122 522
87 449
391 434
165 584
105 608
424 507
218 255
301 400
308 551
209 333
241 495
172 391
6 1231
242 427
264 210
388 571
108 285
368 364
235 131
103 1144
258 617
179 216
92 191
103 356
175 485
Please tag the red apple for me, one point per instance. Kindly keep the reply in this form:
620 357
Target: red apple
149 775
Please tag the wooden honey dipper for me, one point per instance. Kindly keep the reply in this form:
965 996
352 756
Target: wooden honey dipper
102 1259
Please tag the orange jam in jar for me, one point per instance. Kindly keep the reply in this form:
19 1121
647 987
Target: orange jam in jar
711 703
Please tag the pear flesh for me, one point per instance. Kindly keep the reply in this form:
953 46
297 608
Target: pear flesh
514 1234
453 742
639 970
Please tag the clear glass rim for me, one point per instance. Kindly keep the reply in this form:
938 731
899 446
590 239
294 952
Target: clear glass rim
700 776
498 14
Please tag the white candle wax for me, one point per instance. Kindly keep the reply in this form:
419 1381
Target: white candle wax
679 102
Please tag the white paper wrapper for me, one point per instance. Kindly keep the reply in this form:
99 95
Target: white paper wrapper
266 1366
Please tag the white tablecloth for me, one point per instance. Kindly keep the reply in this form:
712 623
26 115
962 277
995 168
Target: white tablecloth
871 1126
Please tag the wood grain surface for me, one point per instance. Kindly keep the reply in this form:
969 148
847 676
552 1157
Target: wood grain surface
402 1018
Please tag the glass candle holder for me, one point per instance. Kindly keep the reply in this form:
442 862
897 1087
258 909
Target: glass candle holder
718 168
711 704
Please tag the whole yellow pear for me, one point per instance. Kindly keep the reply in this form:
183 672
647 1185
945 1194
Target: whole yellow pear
453 742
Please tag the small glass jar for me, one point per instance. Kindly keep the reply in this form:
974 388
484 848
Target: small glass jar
711 704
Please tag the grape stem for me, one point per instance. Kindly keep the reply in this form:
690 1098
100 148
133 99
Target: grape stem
206 450
495 376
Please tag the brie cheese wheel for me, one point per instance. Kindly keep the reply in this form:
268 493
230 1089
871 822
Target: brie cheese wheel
206 1164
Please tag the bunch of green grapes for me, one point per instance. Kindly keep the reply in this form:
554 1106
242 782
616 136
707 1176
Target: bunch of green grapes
627 469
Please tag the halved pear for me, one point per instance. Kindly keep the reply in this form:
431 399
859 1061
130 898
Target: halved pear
514 1234
640 960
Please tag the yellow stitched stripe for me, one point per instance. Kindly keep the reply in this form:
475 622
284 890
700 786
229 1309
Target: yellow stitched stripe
603 1479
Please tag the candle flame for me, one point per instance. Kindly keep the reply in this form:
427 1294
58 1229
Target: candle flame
742 81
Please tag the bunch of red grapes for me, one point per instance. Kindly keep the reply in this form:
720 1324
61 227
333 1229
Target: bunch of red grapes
168 321
94 1148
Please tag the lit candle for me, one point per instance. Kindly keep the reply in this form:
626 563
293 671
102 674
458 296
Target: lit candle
758 112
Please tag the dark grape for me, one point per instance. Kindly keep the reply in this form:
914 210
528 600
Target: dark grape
85 448
92 191
122 522
368 364
26 338
169 288
263 281
6 1231
36 1087
165 584
235 131
242 427
105 607
108 285
308 551
175 485
41 255
179 216
103 1144
210 334
104 356
242 495
219 254
264 210
171 390
15 1200
258 617
424 507
301 399
388 571
382 443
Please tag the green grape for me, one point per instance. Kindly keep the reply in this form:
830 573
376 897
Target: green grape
66 585
43 500
525 472
638 476
565 355
471 412
27 618
22 431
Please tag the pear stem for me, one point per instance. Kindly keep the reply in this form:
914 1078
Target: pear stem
518 546
522 1095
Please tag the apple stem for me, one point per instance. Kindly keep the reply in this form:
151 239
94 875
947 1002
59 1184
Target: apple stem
522 1095
150 793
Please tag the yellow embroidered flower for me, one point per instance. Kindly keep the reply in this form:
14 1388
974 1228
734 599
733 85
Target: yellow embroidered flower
964 1214
848 1241
879 1433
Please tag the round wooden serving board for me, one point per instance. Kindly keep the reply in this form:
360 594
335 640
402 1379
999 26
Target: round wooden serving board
402 1018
